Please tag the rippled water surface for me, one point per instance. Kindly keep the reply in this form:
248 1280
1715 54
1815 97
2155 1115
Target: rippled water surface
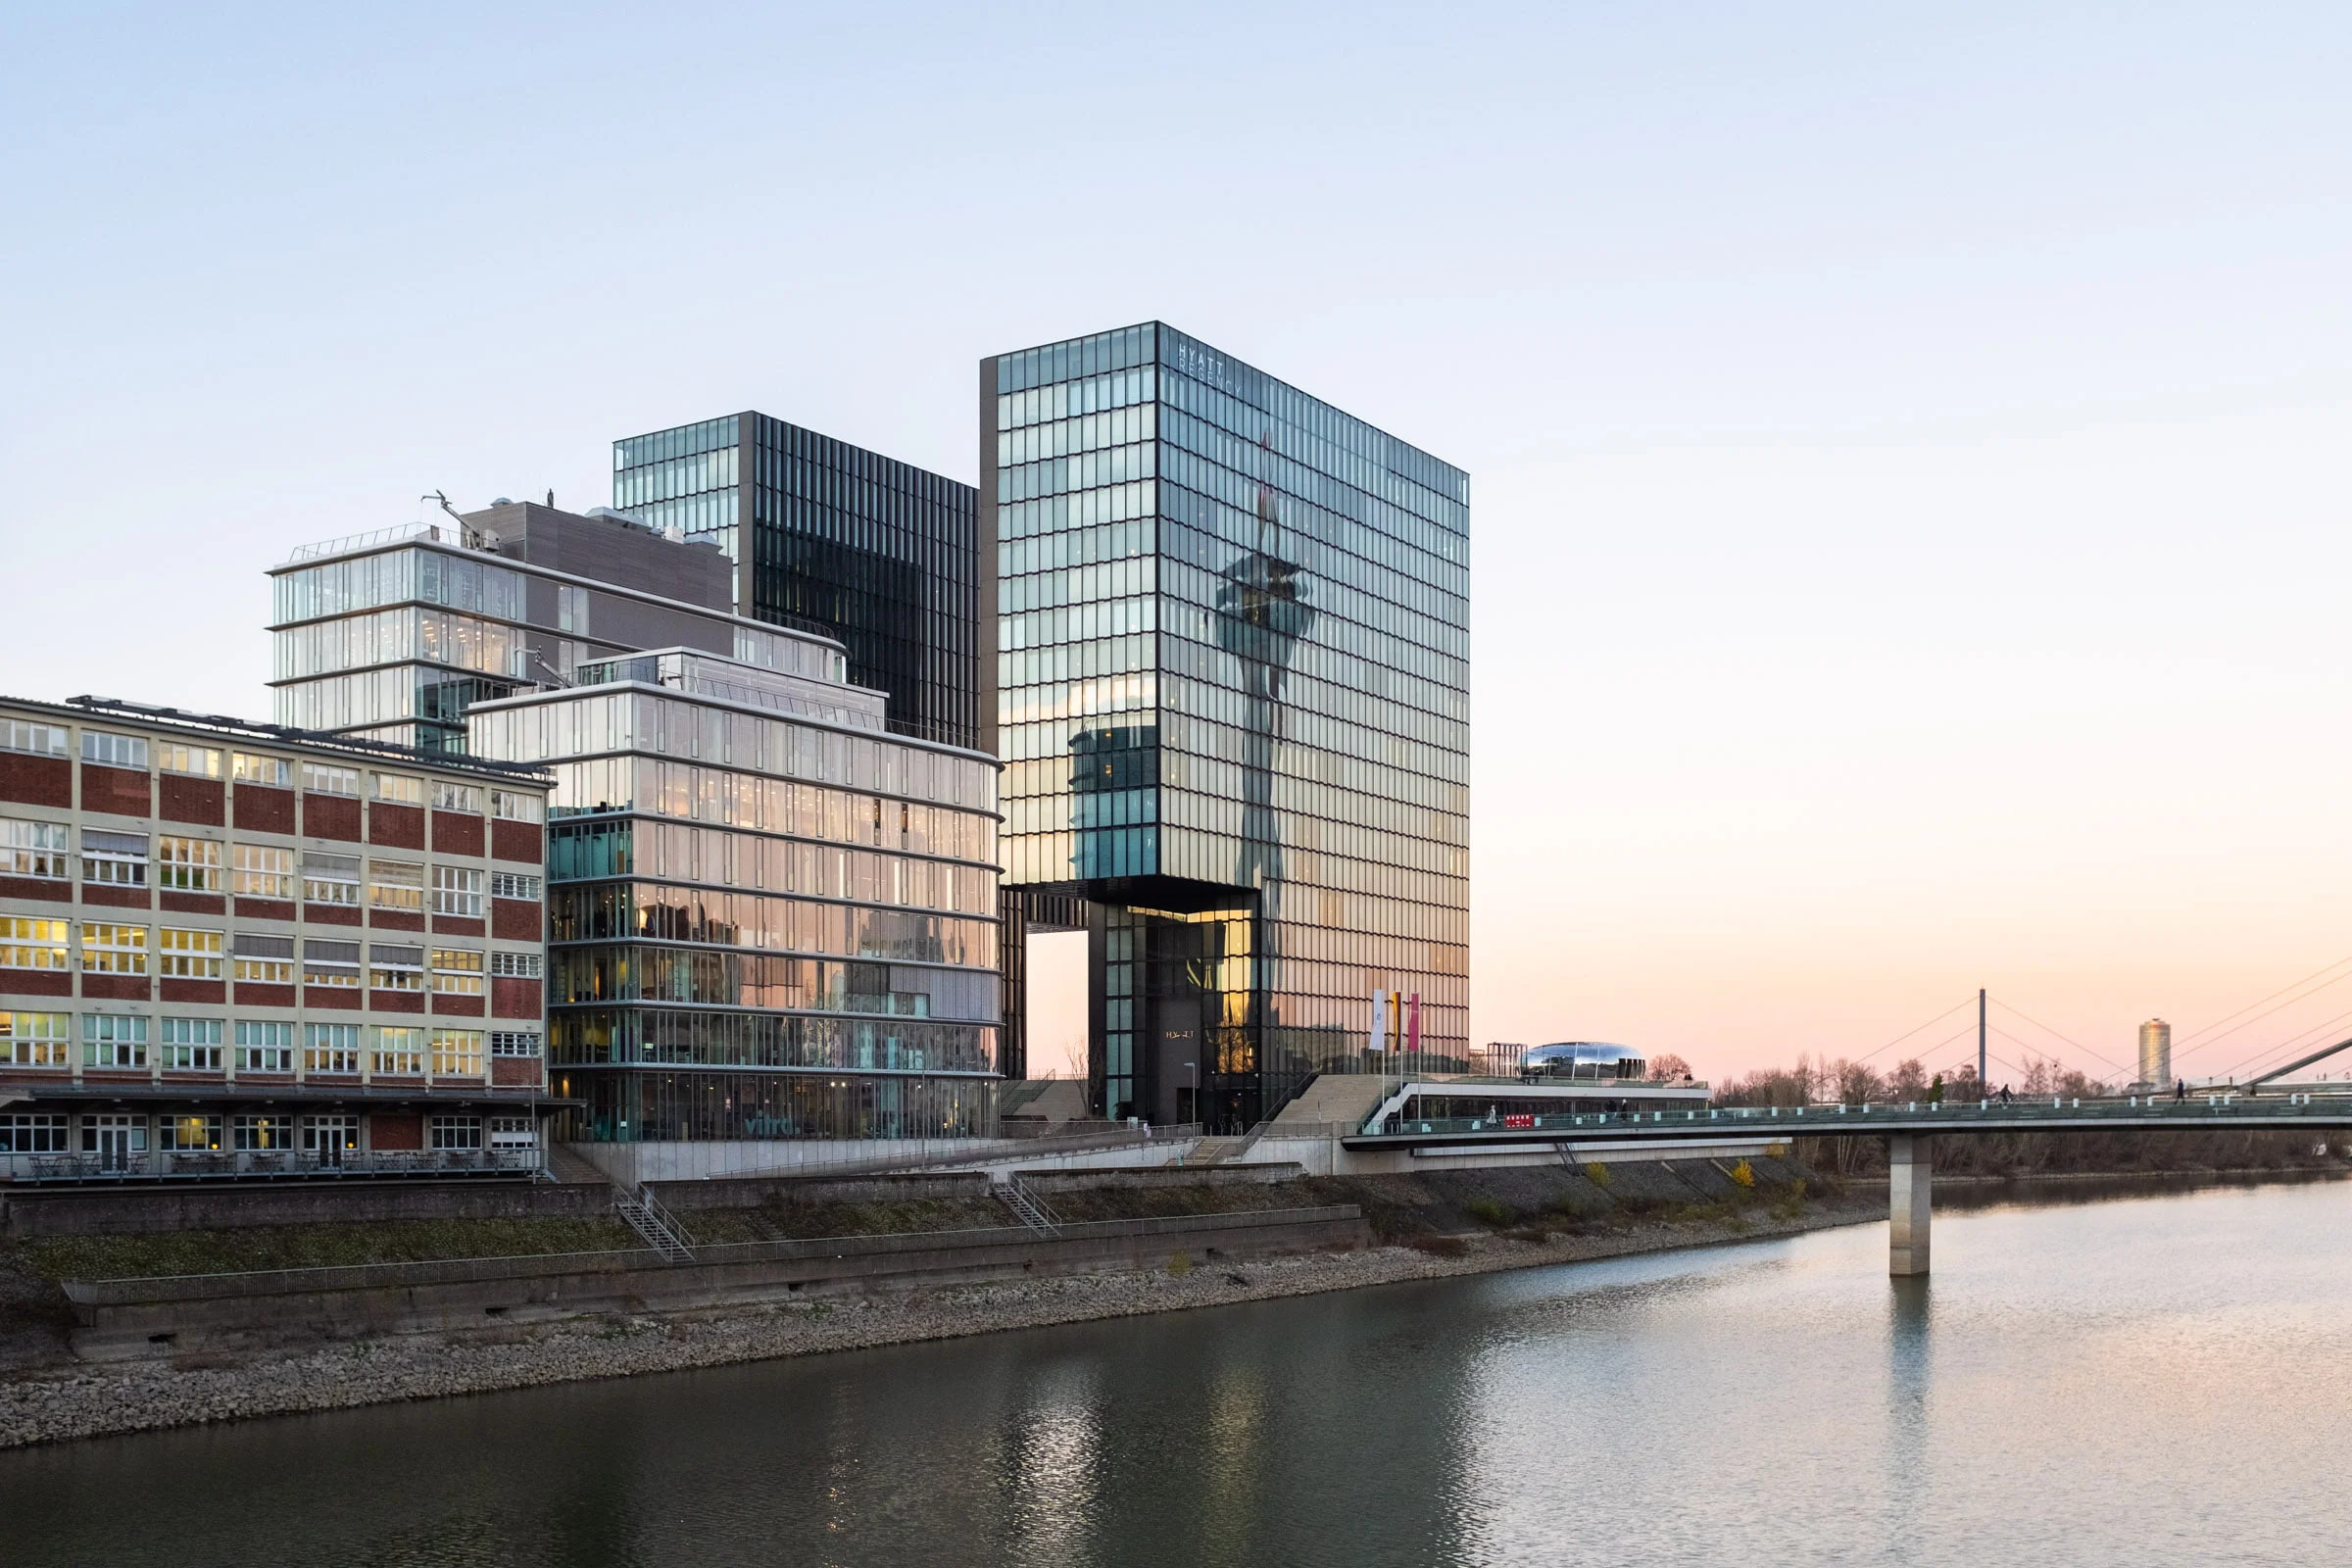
2145 1381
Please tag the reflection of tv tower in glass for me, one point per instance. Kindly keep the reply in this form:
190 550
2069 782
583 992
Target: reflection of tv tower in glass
1260 619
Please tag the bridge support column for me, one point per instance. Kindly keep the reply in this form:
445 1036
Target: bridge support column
1910 1176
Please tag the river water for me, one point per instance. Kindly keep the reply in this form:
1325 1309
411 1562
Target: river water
2139 1381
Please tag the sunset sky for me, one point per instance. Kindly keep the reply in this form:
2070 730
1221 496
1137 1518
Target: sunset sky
1909 445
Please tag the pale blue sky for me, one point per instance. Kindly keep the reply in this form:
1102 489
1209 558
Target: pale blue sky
1907 442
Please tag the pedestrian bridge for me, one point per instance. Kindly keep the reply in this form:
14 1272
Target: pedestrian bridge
1909 1129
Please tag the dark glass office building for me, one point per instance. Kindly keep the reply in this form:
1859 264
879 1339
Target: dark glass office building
827 537
1233 655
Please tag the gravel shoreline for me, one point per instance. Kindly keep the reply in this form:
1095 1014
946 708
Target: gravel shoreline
62 1403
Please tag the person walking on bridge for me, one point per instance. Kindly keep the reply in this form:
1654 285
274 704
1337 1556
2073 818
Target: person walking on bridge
2004 1093
2180 1089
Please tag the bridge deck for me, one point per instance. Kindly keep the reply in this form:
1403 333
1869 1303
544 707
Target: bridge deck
2159 1113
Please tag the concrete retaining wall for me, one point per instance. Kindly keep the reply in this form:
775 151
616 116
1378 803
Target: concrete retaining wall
1067 1180
630 1163
129 1319
127 1211
753 1191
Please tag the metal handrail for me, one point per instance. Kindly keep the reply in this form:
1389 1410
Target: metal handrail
226 1165
397 534
1026 1206
1000 1152
1831 1119
647 1218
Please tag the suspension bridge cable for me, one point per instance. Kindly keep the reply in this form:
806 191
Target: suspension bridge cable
1908 1033
2046 1029
2272 996
2304 996
2025 1046
2302 1039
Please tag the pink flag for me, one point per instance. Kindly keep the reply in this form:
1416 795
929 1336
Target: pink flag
1412 1024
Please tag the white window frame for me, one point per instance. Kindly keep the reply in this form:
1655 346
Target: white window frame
458 1053
457 892
322 778
49 944
453 1135
458 971
255 767
33 1132
121 945
516 967
108 749
36 1039
389 885
339 1132
114 863
41 851
514 885
401 1050
254 960
187 864
326 879
264 1045
513 806
196 1133
38 740
185 952
195 762
511 1133
516 1043
321 968
333 1048
398 789
389 968
188 1044
114 1039
261 871
260 1133
463 798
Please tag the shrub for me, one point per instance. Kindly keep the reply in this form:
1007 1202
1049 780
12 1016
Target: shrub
1180 1264
1597 1174
1489 1211
1440 1246
1744 1174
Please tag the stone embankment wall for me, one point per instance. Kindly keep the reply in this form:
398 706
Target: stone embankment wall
278 1309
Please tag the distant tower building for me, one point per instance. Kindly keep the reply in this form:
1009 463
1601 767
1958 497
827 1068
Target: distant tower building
2155 1051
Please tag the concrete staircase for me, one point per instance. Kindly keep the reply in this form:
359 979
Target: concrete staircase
1217 1151
1334 1097
563 1166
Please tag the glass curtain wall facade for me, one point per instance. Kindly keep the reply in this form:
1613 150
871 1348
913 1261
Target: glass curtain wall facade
1233 657
762 925
874 553
395 643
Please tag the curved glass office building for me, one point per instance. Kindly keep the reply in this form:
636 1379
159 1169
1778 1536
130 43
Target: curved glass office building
1233 670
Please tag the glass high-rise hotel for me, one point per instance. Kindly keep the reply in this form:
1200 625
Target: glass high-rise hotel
1233 660
877 554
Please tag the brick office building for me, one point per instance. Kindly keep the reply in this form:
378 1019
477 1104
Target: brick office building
240 950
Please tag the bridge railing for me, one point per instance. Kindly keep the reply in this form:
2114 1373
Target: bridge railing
1826 1120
